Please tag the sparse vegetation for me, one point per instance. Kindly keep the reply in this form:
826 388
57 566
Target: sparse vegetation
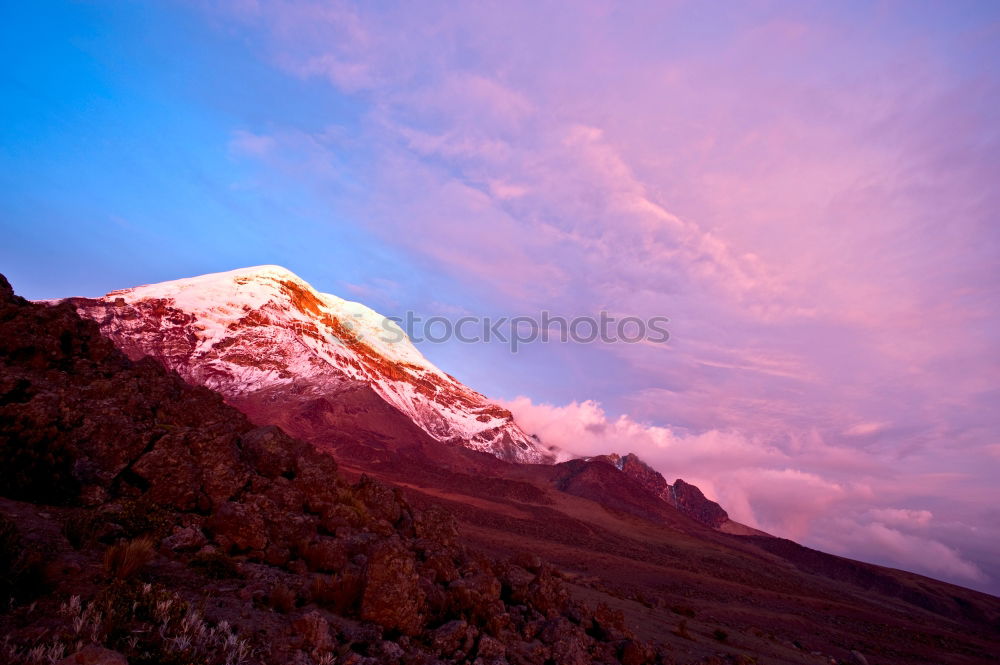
126 558
164 630
720 635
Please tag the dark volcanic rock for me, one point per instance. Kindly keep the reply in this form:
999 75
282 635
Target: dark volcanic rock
685 497
692 502
94 655
650 478
392 597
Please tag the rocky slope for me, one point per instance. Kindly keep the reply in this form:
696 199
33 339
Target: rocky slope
142 517
256 333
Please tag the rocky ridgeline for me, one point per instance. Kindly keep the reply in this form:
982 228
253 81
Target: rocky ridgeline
143 518
686 497
690 500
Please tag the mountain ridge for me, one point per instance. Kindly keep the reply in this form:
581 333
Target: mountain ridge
280 350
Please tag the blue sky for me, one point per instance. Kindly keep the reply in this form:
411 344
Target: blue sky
116 142
807 190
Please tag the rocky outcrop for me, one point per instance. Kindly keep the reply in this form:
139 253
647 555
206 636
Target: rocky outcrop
319 367
650 478
690 500
392 597
686 498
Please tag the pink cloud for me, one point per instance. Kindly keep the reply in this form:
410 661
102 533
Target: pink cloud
908 551
808 196
763 486
902 516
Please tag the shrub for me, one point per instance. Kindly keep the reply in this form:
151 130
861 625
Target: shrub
148 625
339 593
720 635
323 591
126 558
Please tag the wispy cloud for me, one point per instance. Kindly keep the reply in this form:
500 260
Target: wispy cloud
807 191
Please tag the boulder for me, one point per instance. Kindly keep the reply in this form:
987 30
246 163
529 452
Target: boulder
94 655
326 555
392 597
381 501
448 638
185 539
268 451
238 525
490 648
314 632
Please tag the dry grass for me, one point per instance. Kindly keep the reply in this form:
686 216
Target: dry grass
164 630
125 559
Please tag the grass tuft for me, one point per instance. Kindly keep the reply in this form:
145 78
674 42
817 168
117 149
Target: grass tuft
126 558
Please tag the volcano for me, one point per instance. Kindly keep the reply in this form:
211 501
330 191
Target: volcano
262 336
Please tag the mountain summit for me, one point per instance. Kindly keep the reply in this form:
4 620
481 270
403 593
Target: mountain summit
345 378
263 335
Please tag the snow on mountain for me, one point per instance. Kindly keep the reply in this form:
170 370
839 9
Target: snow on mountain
263 329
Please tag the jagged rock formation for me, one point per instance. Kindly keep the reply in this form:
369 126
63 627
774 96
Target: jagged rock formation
686 497
689 499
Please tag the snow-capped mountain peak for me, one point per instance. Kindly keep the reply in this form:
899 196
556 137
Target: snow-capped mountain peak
221 297
262 329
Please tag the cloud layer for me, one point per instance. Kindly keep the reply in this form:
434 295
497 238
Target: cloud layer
807 191
767 486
